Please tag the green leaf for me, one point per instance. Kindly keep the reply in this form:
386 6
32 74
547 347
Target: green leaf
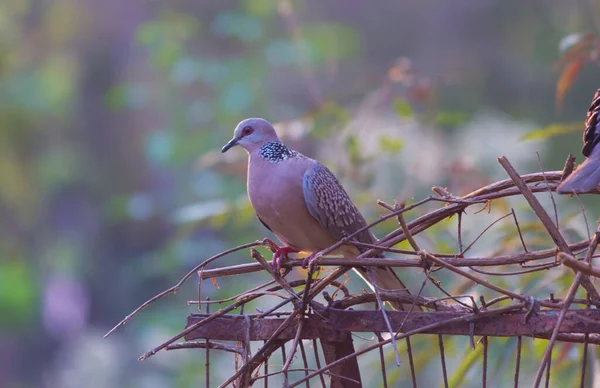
450 118
390 144
403 108
553 130
353 148
260 8
460 372
17 293
324 42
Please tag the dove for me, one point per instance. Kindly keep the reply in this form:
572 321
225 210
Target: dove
302 202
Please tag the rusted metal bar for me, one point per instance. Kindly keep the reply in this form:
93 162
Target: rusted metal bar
484 340
411 363
548 367
443 359
584 362
304 361
346 374
318 362
518 363
339 322
382 361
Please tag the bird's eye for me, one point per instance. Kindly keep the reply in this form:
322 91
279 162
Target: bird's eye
247 130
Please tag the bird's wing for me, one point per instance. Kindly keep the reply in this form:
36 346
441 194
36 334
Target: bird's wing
328 202
264 223
586 178
591 135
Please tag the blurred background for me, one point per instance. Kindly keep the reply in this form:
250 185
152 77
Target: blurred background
112 115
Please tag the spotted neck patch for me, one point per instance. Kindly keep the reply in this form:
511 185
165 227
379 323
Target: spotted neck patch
276 151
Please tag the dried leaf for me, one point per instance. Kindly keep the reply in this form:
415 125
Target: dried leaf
565 81
214 282
573 49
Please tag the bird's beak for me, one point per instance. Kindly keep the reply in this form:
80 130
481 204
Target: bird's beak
231 143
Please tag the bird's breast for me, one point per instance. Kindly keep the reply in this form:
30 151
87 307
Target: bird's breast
276 194
274 189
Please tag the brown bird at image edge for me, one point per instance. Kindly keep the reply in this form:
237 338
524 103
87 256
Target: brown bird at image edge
587 176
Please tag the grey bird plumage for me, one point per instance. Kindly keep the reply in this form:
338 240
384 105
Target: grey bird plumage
301 201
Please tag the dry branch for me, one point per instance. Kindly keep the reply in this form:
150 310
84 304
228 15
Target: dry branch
578 265
517 258
545 219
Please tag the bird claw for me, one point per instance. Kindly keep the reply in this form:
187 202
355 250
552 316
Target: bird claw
309 260
272 245
280 253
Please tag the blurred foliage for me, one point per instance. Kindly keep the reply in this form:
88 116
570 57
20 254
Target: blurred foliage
577 50
112 115
553 130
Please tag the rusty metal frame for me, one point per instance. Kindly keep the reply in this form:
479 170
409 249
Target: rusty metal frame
341 322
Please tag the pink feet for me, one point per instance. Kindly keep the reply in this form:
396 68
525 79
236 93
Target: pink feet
280 253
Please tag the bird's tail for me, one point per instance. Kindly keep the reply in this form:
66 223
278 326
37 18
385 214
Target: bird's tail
586 178
386 279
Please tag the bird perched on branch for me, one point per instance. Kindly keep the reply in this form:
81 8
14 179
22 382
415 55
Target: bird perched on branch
587 177
302 202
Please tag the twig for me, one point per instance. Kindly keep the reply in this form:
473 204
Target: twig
206 345
337 285
238 296
547 185
429 219
387 296
460 243
438 285
483 232
363 260
483 282
278 278
405 229
519 230
385 317
578 265
176 287
566 305
369 226
289 360
536 269
194 327
302 310
587 225
545 219
383 249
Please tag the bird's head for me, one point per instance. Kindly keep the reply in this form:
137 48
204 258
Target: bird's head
251 134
